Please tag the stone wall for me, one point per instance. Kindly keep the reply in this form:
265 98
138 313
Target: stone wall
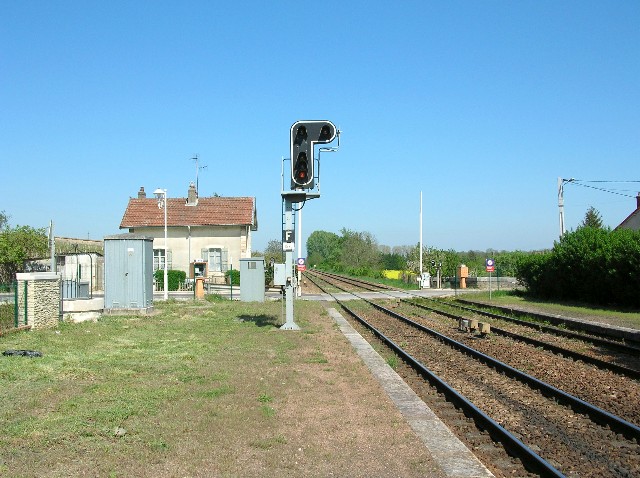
42 299
496 283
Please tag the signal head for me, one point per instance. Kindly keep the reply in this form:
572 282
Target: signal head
304 135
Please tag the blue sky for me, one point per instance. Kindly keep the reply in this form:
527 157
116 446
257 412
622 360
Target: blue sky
479 105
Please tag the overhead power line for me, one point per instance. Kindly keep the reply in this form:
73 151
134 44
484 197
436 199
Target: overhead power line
577 183
580 182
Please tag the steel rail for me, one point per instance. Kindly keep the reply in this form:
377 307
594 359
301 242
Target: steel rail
635 374
629 349
620 369
596 414
529 458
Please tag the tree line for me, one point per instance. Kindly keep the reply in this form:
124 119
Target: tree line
358 253
592 264
17 245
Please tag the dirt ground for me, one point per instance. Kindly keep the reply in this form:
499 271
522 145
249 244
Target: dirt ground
333 420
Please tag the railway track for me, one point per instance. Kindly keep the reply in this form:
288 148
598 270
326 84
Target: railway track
553 432
602 352
630 340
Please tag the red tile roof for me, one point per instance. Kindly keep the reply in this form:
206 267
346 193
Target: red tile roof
209 211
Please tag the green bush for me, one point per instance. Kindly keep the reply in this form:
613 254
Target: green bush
174 277
234 274
591 265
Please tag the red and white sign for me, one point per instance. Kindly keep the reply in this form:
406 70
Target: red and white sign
490 265
300 263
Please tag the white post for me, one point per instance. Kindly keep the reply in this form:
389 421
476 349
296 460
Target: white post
166 250
288 290
161 194
489 285
561 204
420 278
299 288
421 233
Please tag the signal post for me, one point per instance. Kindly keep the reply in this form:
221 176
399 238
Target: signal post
304 135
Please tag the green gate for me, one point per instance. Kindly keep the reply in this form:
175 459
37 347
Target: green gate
13 313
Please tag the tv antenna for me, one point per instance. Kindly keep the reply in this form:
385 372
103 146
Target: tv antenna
198 168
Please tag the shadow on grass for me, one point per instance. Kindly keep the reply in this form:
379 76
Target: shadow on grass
261 320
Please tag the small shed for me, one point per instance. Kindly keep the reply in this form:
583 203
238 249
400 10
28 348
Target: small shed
252 279
128 270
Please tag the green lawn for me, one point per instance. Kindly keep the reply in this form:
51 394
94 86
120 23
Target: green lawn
115 397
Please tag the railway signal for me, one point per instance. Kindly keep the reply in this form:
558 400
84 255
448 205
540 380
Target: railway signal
304 136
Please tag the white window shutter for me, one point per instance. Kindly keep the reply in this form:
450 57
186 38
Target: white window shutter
225 260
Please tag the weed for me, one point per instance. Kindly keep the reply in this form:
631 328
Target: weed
265 398
268 443
267 411
158 445
318 357
392 362
216 298
216 392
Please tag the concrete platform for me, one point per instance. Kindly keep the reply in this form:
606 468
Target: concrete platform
453 457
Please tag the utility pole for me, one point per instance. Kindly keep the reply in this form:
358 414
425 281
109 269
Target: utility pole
420 239
561 202
299 288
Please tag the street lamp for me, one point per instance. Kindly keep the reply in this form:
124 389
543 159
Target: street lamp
161 194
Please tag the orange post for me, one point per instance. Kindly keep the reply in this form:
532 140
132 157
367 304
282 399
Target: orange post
200 288
463 273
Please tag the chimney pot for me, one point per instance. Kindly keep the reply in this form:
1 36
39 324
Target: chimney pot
141 193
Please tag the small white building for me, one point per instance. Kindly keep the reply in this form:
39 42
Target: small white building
211 230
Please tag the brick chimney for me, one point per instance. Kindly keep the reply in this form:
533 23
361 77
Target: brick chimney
192 195
141 193
638 201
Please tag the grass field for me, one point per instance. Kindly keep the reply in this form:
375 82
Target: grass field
115 397
197 389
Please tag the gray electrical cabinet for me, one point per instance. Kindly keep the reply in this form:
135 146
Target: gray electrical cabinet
279 274
252 279
128 271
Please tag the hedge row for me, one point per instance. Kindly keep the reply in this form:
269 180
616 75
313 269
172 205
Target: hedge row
174 277
596 266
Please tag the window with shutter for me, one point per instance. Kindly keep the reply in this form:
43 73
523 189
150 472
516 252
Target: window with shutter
215 260
225 260
159 256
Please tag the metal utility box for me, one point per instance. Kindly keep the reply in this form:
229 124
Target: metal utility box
279 274
128 271
424 280
252 279
198 269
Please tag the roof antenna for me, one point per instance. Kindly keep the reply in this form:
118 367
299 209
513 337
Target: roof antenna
198 168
